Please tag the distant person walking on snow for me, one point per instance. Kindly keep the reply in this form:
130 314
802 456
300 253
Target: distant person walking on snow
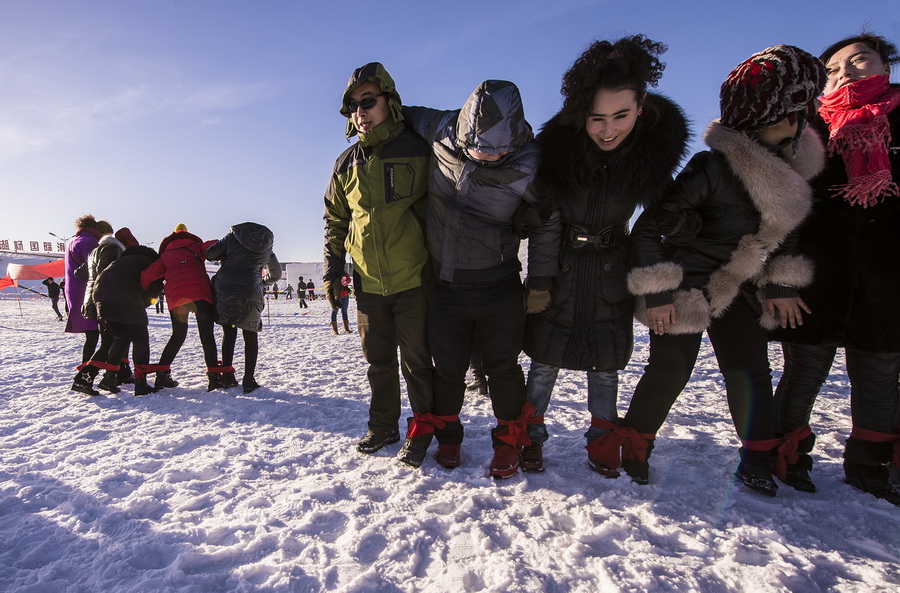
53 292
345 302
301 293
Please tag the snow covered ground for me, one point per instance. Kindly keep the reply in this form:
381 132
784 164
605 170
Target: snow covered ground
190 491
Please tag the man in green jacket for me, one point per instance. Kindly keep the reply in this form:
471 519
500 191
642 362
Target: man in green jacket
375 211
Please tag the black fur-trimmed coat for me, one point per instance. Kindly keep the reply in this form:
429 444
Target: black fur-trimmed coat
745 202
855 295
589 324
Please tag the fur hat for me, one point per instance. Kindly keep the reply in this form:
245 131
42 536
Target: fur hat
125 237
770 85
181 228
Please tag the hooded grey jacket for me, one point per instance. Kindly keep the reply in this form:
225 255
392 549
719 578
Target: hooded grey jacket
471 203
238 285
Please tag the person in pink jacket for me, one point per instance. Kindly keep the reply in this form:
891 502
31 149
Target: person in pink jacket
182 262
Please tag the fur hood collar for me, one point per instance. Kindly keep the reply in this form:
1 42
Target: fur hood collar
657 145
779 189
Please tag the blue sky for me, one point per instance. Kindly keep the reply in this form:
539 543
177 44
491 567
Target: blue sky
212 112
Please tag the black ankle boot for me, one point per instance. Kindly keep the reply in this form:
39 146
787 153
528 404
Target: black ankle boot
141 387
109 382
249 385
214 381
797 476
164 379
84 381
227 380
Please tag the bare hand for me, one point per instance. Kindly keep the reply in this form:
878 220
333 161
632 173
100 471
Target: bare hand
661 318
789 310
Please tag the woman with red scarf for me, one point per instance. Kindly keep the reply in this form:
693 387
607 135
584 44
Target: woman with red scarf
852 237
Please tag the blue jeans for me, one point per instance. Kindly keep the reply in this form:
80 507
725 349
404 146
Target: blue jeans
345 302
602 392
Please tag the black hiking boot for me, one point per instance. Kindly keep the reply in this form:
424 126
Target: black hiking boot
373 441
214 381
757 477
874 479
414 449
164 380
798 474
124 376
532 458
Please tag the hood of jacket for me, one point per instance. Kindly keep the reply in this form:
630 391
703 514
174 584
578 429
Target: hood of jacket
372 72
111 240
493 119
179 239
253 236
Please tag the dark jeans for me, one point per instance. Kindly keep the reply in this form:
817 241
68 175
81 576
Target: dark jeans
495 316
205 314
873 386
251 348
55 304
741 348
345 302
386 323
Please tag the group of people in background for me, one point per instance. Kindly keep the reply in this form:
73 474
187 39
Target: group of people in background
783 230
111 278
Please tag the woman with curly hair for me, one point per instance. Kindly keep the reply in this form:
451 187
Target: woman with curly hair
714 254
611 147
852 238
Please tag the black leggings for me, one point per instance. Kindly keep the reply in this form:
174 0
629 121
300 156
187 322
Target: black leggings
125 333
91 337
205 314
251 348
741 348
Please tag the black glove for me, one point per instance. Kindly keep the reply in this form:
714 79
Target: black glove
333 292
536 300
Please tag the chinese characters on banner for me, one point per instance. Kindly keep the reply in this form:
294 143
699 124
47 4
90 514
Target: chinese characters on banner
33 246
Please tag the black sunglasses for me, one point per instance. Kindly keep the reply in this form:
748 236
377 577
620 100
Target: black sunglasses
366 103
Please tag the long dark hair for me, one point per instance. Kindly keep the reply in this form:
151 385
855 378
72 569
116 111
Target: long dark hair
880 45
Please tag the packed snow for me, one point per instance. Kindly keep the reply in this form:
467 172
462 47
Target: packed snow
190 491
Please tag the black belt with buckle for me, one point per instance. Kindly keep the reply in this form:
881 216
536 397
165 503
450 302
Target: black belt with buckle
577 236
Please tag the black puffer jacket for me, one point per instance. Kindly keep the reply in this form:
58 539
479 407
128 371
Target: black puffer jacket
470 233
104 254
117 291
589 324
728 224
855 295
238 285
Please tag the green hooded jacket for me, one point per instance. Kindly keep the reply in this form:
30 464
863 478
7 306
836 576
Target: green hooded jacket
375 201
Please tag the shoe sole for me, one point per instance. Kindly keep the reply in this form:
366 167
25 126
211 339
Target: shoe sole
603 470
531 467
761 488
503 475
388 441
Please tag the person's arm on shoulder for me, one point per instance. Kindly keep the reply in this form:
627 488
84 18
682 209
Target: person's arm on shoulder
430 124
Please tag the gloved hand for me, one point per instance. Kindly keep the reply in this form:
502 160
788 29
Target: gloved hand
536 300
333 292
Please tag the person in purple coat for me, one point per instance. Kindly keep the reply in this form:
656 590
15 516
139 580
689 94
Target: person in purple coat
78 249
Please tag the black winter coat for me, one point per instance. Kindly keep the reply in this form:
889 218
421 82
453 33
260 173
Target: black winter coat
855 295
117 291
589 323
103 254
725 228
238 286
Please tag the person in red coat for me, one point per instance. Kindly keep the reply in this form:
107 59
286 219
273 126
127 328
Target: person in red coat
182 262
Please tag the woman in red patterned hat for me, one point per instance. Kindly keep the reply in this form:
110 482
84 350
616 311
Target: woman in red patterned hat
713 255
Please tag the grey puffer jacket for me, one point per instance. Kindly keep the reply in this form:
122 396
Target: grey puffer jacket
238 285
471 203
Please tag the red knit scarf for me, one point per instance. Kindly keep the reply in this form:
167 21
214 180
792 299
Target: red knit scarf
856 115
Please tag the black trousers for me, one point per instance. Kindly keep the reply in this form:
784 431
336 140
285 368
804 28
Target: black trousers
205 314
873 377
251 349
124 333
386 323
741 348
495 315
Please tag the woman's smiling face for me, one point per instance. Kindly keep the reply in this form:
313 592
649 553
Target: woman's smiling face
612 117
